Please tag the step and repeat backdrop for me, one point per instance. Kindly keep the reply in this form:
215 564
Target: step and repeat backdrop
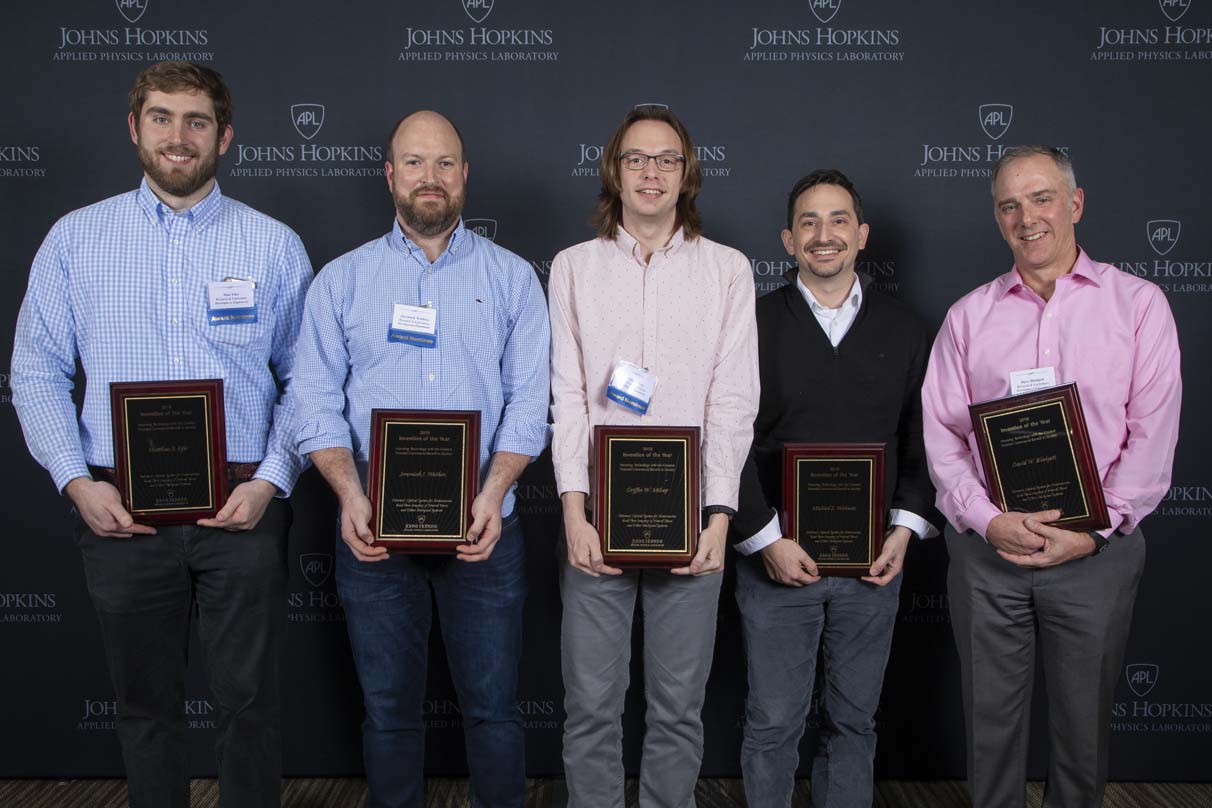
914 100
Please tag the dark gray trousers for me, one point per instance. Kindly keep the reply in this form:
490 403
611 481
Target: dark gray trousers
147 590
1077 617
850 622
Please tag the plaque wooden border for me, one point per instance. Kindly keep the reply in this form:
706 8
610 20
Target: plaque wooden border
872 453
380 419
211 390
1090 486
603 438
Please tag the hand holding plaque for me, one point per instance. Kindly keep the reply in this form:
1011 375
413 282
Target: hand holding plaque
833 503
170 449
646 497
424 474
1036 455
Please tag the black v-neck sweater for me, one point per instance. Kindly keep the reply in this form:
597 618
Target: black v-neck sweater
866 390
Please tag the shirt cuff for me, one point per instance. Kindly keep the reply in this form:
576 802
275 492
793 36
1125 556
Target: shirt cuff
1117 520
979 516
278 471
575 479
765 537
920 527
64 473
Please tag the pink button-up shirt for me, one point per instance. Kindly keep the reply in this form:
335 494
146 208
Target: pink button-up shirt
1110 332
688 317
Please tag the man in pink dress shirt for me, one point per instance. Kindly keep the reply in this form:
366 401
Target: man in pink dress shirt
1015 583
653 296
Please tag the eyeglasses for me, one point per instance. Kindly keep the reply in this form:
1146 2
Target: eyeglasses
638 161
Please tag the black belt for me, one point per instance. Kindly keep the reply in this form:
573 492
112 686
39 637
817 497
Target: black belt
236 472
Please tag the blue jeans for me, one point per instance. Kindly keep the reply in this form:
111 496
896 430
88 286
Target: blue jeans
388 614
851 621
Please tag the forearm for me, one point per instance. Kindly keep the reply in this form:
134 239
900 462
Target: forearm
505 470
337 466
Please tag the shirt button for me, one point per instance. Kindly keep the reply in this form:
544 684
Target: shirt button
431 377
177 241
176 360
429 304
1047 352
1049 315
176 321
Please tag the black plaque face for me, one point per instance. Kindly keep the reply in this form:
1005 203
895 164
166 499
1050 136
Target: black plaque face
1035 461
168 452
423 486
833 509
648 508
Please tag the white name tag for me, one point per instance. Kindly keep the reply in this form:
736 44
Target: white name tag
231 302
631 387
231 295
415 325
1028 381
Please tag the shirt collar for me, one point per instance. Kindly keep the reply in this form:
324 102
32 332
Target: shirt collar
460 240
1084 268
200 214
853 300
628 244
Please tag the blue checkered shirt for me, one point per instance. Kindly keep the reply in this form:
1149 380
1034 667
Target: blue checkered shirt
122 286
491 353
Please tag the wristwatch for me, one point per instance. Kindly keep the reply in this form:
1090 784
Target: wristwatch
1100 542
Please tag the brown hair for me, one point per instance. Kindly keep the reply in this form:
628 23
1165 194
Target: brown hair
175 77
609 214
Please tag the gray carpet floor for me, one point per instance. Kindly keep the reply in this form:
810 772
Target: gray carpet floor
351 793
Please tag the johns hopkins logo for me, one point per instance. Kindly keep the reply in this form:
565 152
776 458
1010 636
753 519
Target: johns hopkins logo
1141 678
132 10
307 118
316 567
824 10
485 228
478 10
995 119
1163 234
1174 9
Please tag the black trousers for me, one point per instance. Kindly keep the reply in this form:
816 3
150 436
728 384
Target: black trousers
147 590
1076 617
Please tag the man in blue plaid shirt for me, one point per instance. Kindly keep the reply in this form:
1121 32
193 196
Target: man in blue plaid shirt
429 316
123 286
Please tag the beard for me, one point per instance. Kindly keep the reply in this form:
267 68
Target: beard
429 218
825 273
179 181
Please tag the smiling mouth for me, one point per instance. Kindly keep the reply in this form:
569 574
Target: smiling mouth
177 159
651 193
1033 237
827 251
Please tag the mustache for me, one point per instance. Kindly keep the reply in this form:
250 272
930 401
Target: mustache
426 189
826 245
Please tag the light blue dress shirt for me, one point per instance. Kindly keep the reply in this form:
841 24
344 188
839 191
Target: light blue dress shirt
491 354
122 286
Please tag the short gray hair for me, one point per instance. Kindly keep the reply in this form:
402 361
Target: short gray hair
1018 152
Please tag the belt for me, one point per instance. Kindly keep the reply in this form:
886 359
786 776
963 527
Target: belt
236 472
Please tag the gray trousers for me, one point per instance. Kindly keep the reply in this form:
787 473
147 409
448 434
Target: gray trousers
1077 615
679 617
851 622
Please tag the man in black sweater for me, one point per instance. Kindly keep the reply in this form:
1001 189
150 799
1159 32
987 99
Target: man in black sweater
840 363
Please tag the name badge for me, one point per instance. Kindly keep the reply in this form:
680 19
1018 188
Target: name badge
1028 381
631 387
231 302
414 325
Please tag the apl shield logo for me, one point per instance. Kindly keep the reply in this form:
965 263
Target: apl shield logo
316 567
995 119
825 10
1174 9
485 228
478 10
132 10
1141 678
1163 234
307 118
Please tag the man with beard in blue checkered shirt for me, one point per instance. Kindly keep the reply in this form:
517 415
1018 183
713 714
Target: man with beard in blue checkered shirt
123 286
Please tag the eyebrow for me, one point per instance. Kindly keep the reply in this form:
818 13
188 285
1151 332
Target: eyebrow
439 157
1031 195
831 213
190 114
